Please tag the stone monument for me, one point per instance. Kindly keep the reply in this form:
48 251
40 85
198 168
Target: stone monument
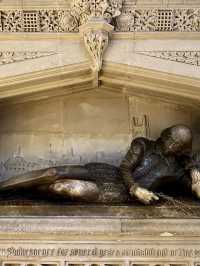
79 80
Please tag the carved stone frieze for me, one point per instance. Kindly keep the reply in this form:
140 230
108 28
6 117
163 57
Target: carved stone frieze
123 18
187 57
142 20
12 21
84 10
7 57
186 20
57 21
37 21
159 19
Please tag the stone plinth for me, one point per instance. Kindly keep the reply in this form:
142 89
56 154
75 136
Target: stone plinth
48 234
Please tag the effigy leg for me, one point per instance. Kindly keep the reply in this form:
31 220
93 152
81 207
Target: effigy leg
77 190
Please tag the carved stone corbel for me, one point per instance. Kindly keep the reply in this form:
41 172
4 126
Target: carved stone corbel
96 38
94 18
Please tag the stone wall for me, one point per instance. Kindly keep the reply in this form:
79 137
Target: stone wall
91 126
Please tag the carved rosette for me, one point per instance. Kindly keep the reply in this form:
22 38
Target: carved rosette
94 18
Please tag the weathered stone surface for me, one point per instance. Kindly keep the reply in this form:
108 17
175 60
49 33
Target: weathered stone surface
96 115
128 213
150 74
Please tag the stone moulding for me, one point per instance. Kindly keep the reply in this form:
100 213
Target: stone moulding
72 226
126 19
113 77
186 57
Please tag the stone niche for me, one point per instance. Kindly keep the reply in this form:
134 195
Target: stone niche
86 127
79 128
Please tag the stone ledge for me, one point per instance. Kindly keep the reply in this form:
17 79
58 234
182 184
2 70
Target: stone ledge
179 208
71 228
74 220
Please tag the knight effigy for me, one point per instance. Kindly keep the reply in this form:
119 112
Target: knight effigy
150 167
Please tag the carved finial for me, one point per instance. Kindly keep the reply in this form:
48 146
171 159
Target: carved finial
84 10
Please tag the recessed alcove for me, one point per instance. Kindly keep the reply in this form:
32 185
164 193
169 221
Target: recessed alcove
95 126
82 127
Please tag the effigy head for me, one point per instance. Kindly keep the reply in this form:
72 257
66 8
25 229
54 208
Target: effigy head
176 139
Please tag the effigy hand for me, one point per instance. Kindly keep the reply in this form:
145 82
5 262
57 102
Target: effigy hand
143 195
195 175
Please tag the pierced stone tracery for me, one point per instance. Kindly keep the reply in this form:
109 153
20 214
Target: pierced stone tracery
128 18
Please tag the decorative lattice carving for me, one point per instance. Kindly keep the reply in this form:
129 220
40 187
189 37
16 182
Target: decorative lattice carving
12 21
31 21
187 57
144 20
165 20
7 57
50 20
184 20
181 20
126 19
57 21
